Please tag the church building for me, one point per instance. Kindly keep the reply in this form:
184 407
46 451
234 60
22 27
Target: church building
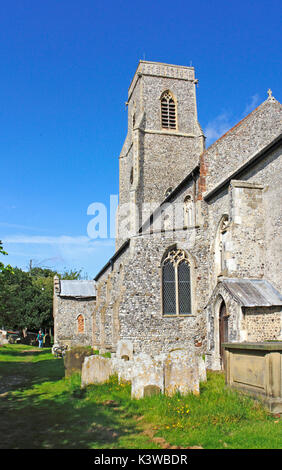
198 233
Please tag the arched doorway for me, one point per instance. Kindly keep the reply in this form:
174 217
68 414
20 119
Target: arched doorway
223 331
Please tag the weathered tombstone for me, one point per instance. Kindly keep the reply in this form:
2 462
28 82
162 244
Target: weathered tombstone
96 369
146 371
181 373
124 350
202 369
122 368
74 358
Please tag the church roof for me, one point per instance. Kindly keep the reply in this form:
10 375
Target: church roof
77 288
253 292
244 167
269 101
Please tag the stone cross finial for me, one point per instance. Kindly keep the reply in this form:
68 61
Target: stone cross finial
270 97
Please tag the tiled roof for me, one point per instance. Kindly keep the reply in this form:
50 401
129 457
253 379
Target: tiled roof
77 289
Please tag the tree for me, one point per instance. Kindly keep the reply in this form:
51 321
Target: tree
4 268
26 298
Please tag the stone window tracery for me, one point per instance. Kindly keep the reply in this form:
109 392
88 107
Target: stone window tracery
168 111
176 283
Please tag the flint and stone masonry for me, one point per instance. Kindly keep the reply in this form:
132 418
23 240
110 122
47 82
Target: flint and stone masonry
228 229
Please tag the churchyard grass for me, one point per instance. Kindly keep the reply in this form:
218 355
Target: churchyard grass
40 408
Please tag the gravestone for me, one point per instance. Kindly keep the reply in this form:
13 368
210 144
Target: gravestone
202 369
181 373
74 358
123 368
95 370
124 350
146 372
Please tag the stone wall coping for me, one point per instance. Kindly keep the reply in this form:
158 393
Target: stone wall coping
170 132
246 184
266 346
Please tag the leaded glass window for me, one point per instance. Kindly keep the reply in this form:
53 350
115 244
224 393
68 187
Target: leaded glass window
169 297
184 291
176 284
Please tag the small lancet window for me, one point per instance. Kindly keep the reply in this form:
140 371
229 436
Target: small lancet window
80 324
168 111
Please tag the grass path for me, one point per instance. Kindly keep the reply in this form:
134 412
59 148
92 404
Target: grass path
41 409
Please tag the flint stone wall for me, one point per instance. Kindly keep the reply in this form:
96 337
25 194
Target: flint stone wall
66 313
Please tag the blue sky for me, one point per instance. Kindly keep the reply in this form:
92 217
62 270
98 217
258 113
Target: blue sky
65 70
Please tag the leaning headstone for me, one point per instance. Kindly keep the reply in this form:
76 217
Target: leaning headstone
124 350
146 372
74 358
95 370
181 373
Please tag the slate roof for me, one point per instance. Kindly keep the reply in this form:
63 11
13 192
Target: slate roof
77 289
253 292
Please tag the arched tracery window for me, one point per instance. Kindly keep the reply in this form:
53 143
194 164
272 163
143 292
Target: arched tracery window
176 283
168 111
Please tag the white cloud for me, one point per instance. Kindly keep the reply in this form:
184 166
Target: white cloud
59 252
59 240
252 105
217 127
224 121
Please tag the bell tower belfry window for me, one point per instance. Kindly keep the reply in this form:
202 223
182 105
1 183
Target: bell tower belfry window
168 111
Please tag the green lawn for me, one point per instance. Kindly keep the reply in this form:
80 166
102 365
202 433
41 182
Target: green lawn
40 409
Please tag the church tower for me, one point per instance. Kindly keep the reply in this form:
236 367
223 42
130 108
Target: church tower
163 143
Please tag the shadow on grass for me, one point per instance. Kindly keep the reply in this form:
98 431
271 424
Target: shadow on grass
27 367
39 408
66 421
